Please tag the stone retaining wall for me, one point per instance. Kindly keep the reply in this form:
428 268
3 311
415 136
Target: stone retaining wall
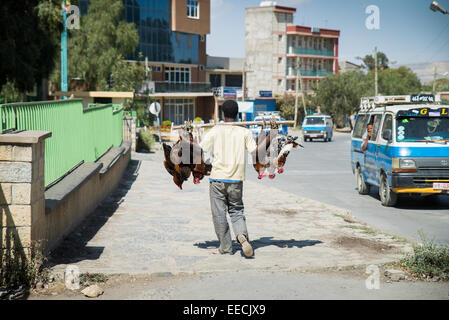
24 218
22 186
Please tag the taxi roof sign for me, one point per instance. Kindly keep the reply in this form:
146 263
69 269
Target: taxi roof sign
367 103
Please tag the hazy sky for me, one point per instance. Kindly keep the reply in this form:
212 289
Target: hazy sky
409 31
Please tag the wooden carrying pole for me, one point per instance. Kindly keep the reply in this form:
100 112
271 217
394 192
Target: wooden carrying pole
242 123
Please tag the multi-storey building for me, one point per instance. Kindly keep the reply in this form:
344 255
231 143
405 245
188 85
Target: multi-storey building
274 44
172 36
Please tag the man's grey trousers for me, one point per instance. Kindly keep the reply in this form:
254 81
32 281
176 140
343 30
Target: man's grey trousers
227 197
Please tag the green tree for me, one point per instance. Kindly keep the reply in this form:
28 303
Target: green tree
27 47
339 95
368 61
9 93
441 85
286 106
96 51
397 81
127 76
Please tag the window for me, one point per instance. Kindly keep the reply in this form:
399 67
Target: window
179 110
314 120
176 74
215 80
360 126
280 60
280 37
388 124
233 80
376 122
193 9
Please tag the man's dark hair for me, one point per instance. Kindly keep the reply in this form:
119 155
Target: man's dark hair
230 109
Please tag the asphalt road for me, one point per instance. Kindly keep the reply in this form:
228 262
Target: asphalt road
322 171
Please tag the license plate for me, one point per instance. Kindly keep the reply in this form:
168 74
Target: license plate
440 186
314 135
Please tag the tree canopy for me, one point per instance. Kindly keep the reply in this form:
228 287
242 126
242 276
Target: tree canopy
397 81
382 61
440 85
339 95
27 49
96 50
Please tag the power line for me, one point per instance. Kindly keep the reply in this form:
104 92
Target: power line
436 38
439 50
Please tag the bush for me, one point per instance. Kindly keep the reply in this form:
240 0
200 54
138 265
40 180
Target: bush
21 266
166 123
146 140
428 259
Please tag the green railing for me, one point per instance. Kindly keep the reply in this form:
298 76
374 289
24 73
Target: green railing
314 52
132 113
78 134
311 73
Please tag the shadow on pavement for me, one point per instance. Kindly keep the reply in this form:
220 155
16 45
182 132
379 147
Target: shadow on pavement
262 242
415 202
74 247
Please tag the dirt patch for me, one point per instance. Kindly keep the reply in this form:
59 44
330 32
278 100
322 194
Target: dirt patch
362 244
284 212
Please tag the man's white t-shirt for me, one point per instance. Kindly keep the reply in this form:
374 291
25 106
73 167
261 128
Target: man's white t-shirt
230 145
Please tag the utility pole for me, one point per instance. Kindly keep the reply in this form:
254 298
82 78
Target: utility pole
299 80
434 78
375 72
243 80
64 81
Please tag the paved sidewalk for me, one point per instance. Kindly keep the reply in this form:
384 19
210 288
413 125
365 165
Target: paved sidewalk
149 226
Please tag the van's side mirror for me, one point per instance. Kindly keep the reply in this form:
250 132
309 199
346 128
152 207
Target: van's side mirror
387 135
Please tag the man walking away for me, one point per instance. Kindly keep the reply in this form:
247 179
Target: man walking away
230 144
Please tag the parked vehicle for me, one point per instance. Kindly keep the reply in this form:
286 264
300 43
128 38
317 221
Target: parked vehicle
408 152
283 129
318 126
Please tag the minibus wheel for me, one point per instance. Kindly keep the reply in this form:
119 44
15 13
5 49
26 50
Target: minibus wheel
388 197
361 184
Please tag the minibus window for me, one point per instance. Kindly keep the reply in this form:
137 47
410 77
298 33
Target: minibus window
377 119
314 120
388 123
422 128
360 126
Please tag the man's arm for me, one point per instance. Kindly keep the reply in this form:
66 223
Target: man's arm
208 140
215 109
365 141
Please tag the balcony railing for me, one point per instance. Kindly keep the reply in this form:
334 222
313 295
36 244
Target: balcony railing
170 87
309 73
313 52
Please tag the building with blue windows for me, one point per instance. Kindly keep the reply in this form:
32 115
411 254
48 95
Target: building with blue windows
172 36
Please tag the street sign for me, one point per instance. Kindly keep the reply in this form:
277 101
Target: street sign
265 94
422 98
155 108
229 93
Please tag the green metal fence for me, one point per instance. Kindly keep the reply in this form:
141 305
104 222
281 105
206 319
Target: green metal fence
132 113
315 52
78 134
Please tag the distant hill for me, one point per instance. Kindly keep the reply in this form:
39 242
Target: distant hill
424 70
